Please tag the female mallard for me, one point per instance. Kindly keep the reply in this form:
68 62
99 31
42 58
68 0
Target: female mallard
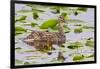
41 40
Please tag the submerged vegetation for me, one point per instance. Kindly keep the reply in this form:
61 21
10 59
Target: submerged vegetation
78 43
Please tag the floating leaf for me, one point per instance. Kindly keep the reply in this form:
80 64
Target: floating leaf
29 51
92 55
89 43
26 63
49 24
24 11
78 25
35 15
83 9
90 38
45 50
18 48
21 18
78 30
75 45
88 27
78 57
37 10
19 30
75 21
33 24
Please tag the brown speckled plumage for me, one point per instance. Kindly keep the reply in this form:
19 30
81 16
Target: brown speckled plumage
41 40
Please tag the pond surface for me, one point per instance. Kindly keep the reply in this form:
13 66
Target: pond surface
25 54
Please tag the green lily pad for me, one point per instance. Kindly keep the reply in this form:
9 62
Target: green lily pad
33 24
21 18
75 21
90 56
89 43
18 48
88 27
49 24
19 30
83 9
78 30
26 63
24 11
35 15
75 45
78 25
78 57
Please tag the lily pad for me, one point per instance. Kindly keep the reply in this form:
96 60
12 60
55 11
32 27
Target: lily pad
75 45
49 24
21 18
88 27
26 63
33 24
35 15
89 43
78 57
78 30
19 30
92 55
83 9
18 48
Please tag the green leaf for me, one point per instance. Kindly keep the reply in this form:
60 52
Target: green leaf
49 24
88 27
33 24
26 63
75 45
18 48
19 30
75 21
78 30
35 15
89 43
78 57
82 9
37 10
21 18
92 55
24 11
78 25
